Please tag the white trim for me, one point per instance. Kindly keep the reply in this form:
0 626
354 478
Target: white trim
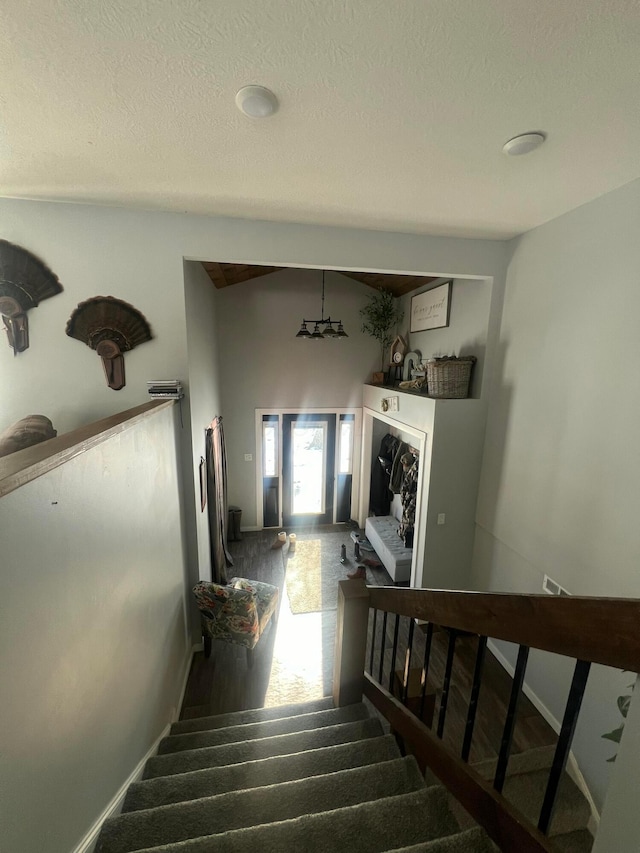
572 765
114 807
198 647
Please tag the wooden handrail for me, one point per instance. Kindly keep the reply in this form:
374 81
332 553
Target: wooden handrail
25 465
600 630
501 821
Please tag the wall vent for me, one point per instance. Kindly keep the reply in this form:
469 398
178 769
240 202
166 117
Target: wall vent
553 587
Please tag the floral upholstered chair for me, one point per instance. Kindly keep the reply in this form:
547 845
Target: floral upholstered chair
237 613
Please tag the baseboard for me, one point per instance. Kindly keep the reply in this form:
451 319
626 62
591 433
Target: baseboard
254 529
572 765
197 647
115 806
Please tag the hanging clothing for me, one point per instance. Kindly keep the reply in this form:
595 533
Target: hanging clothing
408 495
217 502
379 494
397 471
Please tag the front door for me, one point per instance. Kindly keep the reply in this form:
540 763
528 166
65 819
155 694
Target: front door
308 465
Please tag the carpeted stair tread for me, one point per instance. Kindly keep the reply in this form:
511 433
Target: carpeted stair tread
252 774
580 841
253 715
526 792
262 729
267 804
371 827
235 753
470 841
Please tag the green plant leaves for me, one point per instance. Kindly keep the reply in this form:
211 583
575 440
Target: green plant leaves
615 735
623 703
380 316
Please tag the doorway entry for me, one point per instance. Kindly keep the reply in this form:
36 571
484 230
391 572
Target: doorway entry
306 463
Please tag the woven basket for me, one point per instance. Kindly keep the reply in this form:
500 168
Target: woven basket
448 378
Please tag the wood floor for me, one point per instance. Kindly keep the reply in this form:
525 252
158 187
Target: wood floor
294 662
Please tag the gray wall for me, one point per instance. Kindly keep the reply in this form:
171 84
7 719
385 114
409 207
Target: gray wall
93 639
138 256
204 387
263 365
468 327
559 491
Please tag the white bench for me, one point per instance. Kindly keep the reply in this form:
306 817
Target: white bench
382 532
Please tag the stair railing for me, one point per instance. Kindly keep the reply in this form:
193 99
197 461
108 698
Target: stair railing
591 630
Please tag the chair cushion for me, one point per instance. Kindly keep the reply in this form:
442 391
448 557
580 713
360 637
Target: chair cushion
266 595
238 612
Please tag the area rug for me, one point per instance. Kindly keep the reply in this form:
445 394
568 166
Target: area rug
314 569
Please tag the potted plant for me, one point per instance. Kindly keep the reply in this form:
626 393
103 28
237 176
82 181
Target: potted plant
380 317
624 702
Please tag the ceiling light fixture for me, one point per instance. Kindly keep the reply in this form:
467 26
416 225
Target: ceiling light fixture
523 144
256 101
328 331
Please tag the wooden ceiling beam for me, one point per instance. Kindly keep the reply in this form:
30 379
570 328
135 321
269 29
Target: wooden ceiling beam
226 275
398 285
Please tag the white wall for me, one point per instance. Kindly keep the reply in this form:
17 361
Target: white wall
93 639
265 365
561 467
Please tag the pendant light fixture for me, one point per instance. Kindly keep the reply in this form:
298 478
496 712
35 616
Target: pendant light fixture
328 330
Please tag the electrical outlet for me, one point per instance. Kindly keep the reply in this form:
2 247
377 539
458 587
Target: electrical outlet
248 457
441 518
393 404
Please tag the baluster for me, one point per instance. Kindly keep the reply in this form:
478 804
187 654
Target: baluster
394 652
473 699
373 641
425 667
407 662
571 711
510 722
382 644
444 699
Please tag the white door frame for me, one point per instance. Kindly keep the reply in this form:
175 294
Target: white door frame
420 436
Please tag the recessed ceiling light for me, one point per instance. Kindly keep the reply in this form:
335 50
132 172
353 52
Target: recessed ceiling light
523 144
256 101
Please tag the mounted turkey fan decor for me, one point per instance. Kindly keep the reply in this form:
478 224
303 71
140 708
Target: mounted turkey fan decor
24 282
110 327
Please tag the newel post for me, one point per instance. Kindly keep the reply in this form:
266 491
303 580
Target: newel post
351 642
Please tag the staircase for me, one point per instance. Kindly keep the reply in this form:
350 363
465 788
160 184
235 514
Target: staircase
304 777
525 786
317 778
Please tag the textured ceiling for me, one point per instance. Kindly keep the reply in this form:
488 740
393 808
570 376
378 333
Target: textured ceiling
392 114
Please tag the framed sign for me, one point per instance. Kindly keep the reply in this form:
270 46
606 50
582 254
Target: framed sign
430 310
